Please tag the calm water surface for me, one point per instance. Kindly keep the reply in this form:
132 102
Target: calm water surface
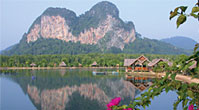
70 90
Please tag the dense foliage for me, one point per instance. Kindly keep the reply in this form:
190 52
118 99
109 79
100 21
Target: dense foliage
55 46
150 46
72 60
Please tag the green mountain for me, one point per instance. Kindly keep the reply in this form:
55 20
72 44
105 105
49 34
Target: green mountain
99 30
181 42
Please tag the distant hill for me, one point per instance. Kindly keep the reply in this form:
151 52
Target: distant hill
7 49
181 42
99 30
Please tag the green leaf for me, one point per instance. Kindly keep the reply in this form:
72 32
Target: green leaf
167 74
167 89
144 106
192 84
138 98
185 108
194 15
176 9
172 14
196 47
178 86
149 90
184 87
152 97
124 106
195 9
181 19
183 8
190 93
186 101
173 76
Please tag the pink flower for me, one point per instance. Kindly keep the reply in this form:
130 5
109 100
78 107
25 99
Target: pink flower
110 105
116 100
191 107
113 102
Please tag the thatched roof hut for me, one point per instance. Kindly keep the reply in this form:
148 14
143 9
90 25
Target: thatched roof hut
80 65
33 65
128 62
140 60
156 61
62 64
94 64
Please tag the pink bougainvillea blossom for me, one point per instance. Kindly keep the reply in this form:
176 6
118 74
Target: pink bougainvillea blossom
110 105
113 102
191 107
116 100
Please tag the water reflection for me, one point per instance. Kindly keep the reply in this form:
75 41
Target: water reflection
140 82
74 89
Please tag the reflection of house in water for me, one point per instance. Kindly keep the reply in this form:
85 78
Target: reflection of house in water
141 83
62 71
142 64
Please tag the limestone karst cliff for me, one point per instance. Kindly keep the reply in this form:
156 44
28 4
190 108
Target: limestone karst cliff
89 28
98 30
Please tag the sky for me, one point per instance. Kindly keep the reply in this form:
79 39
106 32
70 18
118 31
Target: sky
151 17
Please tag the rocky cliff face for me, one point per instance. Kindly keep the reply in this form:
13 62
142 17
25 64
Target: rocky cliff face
99 30
101 25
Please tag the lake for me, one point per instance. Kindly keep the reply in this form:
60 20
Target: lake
72 89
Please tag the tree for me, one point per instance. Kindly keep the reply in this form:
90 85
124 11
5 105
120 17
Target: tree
182 15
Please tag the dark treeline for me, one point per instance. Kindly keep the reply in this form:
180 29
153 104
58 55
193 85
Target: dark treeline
73 60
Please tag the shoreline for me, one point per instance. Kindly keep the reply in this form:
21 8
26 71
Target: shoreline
40 68
179 77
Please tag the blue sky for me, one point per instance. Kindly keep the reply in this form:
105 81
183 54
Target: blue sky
151 17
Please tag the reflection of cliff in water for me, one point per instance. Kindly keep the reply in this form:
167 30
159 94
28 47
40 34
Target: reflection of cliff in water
53 90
